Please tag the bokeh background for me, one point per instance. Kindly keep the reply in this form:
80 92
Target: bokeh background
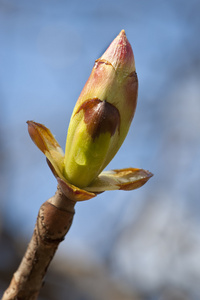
143 244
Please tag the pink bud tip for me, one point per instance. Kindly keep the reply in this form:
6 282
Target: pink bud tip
120 53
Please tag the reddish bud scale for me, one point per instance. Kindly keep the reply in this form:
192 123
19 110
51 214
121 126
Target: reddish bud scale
100 117
37 131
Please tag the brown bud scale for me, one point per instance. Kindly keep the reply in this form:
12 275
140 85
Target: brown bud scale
100 117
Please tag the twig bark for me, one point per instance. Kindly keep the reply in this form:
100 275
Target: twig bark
53 222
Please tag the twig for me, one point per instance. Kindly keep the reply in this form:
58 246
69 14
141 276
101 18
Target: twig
53 222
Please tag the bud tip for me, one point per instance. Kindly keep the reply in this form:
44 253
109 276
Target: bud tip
120 53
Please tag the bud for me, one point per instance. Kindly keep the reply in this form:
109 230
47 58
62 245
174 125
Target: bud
102 115
99 124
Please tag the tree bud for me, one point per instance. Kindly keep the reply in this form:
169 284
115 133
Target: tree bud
103 113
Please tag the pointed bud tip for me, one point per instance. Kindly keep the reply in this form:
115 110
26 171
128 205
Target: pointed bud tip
122 33
120 53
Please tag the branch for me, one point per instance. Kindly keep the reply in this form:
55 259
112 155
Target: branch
53 222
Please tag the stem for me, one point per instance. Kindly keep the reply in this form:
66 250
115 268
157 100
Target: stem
53 222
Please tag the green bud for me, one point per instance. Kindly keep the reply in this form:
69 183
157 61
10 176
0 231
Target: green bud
99 124
102 115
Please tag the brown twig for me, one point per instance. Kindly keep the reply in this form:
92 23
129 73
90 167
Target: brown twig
53 222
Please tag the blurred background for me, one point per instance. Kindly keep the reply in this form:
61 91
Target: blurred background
142 244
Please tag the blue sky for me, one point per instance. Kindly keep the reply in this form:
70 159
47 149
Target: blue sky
47 52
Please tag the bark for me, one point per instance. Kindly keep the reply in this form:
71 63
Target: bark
53 222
